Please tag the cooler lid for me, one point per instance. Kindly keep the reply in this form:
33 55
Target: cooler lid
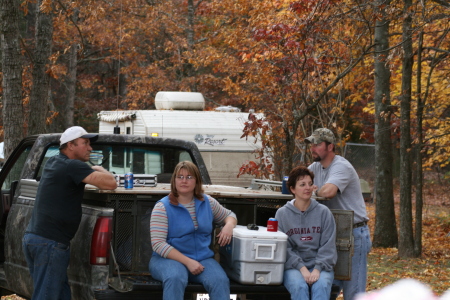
262 233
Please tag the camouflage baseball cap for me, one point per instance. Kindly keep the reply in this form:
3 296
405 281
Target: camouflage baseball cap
321 135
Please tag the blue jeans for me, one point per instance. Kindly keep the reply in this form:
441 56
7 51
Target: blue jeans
175 276
298 288
363 244
48 261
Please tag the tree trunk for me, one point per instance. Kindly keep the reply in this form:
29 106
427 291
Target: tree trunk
13 120
288 157
406 241
41 79
385 234
418 154
190 27
190 36
71 87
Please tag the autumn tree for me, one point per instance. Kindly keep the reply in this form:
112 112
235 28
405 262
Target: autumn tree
303 63
406 241
430 118
288 58
435 58
385 233
40 91
435 61
12 110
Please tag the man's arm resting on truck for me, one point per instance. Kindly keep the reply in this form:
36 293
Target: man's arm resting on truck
101 178
328 190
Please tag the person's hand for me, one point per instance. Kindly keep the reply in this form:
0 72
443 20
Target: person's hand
225 235
195 267
306 274
314 191
315 274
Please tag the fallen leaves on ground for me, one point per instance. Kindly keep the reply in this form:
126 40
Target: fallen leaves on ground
433 267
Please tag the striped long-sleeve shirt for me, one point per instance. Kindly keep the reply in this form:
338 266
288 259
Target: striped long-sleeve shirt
159 223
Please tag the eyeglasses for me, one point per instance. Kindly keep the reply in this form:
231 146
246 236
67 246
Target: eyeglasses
189 177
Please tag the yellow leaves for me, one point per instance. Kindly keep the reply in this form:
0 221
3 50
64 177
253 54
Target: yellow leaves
370 108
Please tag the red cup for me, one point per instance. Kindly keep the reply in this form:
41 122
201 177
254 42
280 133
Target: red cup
272 225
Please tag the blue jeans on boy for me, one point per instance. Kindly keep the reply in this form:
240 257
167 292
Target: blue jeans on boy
298 288
48 261
357 284
175 277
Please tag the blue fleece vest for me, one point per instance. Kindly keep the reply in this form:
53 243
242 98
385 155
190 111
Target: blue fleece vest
181 232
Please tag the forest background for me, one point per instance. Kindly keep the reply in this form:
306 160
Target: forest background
372 71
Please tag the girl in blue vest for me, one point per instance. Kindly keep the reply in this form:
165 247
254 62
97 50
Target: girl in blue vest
181 225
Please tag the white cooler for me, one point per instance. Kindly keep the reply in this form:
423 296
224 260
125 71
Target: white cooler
255 256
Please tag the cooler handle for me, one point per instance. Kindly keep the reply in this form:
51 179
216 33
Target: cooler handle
273 247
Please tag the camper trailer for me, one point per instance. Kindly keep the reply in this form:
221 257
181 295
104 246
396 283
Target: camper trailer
180 115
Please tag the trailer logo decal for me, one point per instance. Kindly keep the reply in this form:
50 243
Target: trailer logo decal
199 138
208 139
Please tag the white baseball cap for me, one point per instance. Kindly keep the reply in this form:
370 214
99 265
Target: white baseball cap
74 132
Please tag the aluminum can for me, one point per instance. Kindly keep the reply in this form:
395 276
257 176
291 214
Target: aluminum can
272 224
284 187
128 180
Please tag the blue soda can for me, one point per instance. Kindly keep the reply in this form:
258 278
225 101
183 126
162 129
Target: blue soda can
128 180
284 187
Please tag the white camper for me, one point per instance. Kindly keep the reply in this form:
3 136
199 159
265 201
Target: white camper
180 115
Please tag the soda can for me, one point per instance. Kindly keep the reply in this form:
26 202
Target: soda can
128 180
272 224
284 187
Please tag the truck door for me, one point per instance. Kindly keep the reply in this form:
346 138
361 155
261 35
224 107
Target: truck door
9 178
11 174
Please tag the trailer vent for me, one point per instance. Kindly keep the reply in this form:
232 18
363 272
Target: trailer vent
113 116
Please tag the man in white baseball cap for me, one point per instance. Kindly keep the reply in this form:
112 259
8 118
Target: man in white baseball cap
57 213
75 132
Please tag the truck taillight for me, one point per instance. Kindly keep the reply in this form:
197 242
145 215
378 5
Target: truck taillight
101 239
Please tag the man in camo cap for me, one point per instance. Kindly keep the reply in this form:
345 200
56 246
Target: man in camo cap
336 179
321 135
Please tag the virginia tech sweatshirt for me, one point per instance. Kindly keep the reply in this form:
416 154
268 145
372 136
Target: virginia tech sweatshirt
311 236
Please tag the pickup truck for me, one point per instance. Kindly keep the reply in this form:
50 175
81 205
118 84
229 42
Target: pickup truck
111 249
